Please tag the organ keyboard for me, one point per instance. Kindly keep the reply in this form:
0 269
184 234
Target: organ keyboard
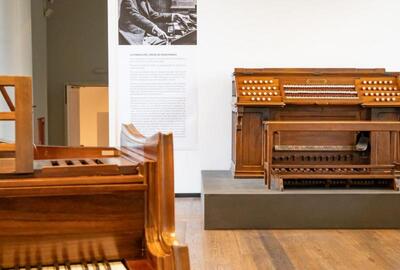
359 96
86 208
340 91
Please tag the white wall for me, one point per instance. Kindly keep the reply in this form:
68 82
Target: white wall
272 33
15 37
39 64
283 33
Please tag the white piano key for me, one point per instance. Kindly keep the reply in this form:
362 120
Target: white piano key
100 266
91 266
117 266
77 267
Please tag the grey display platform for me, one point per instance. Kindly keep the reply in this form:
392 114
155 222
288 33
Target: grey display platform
230 203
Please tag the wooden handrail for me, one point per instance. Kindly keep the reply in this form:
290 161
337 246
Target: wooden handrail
7 116
7 147
21 113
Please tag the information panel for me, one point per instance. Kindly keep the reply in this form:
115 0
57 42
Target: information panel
153 49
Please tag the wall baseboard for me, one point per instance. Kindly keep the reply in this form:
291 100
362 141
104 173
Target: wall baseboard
187 195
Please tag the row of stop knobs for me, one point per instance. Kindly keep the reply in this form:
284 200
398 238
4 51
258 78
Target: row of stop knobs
385 99
261 99
259 88
384 88
258 81
260 93
381 94
377 82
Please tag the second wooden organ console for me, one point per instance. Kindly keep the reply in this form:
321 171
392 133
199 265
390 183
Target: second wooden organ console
317 127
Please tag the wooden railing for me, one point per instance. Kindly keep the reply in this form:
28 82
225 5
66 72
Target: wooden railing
17 157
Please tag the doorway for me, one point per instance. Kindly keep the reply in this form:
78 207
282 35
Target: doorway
87 115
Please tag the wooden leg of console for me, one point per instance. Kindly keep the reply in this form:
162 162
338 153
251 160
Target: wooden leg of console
396 183
267 179
280 183
266 182
181 257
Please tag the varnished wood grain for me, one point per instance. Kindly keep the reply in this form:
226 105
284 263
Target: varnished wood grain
109 226
7 115
23 125
284 249
7 165
7 147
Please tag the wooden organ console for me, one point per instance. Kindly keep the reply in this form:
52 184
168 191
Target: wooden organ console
92 208
317 127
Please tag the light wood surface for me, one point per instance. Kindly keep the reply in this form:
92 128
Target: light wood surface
7 115
21 113
283 249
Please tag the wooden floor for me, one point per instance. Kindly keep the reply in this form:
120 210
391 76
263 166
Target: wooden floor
283 249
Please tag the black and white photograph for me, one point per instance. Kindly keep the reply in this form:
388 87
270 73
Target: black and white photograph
157 22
